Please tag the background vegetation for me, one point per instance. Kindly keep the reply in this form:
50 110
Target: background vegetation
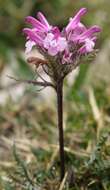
28 134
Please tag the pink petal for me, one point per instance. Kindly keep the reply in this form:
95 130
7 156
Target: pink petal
52 51
53 48
55 30
89 44
62 44
87 47
89 33
29 45
43 20
66 57
73 23
35 23
32 35
48 40
80 29
82 50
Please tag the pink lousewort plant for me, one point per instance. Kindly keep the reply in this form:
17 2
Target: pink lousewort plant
63 51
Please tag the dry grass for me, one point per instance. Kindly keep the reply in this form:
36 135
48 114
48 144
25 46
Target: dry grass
29 127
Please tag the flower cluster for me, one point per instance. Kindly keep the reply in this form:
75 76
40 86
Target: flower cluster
74 40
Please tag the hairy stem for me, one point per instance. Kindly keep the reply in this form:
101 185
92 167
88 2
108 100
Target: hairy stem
60 126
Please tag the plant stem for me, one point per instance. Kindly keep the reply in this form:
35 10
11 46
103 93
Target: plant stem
34 82
60 126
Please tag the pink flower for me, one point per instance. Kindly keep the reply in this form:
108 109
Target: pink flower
43 20
62 44
86 39
29 45
87 47
76 20
72 42
89 33
54 45
67 57
39 31
41 24
33 36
